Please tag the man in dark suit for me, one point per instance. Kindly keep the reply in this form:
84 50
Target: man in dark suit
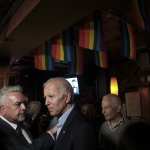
73 132
12 112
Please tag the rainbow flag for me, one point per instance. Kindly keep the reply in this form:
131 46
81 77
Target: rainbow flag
76 66
139 14
68 38
101 59
129 41
39 58
57 49
74 54
48 58
101 55
62 47
91 37
42 57
86 35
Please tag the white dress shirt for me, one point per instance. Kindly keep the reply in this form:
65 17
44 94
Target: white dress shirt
63 119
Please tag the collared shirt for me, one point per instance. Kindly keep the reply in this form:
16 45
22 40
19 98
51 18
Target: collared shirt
112 133
117 124
14 126
62 119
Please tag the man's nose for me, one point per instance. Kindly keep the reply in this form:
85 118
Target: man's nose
46 101
103 111
23 106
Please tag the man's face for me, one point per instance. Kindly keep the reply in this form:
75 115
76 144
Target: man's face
14 108
108 110
55 100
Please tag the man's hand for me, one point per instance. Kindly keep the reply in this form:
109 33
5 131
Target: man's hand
52 131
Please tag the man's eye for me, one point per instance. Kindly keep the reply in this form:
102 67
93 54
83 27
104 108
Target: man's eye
25 103
18 104
49 96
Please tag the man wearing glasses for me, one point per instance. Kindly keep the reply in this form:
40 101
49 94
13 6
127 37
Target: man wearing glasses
12 113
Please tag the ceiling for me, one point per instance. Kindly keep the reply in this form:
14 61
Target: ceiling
47 19
5 7
51 17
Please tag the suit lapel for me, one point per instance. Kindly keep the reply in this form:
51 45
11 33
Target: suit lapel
9 129
4 125
66 125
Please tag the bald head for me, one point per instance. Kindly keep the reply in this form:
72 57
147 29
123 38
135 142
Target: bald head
61 84
113 99
111 106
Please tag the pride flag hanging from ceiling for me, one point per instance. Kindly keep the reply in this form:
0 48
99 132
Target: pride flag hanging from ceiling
62 47
57 48
101 55
68 38
48 57
74 54
101 59
39 58
76 66
91 37
86 35
42 57
129 41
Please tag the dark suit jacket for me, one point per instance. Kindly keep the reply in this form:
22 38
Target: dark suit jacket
76 134
10 140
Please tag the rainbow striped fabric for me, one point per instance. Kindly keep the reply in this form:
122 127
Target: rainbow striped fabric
57 49
87 35
42 57
91 37
129 41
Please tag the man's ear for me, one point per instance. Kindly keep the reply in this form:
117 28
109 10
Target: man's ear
68 98
119 108
2 109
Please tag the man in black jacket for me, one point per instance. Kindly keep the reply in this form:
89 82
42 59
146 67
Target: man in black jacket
12 112
73 132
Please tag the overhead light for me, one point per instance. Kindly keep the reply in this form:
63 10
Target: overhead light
114 86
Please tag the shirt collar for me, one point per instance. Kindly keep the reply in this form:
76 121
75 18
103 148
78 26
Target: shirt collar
118 123
13 125
64 117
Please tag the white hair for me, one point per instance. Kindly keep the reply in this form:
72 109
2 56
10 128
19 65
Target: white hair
64 85
6 90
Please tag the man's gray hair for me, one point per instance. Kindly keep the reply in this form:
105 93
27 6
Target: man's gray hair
8 89
114 100
64 85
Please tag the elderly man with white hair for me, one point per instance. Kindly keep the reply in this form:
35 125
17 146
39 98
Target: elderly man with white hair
114 124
